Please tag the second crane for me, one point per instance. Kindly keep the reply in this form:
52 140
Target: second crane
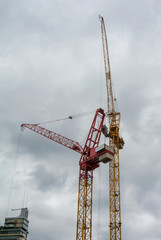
115 142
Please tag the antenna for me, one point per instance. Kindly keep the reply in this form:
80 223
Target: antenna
23 199
27 197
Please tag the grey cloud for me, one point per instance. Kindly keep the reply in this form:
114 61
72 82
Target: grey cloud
50 68
46 180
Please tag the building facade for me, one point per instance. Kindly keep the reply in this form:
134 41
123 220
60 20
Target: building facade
15 228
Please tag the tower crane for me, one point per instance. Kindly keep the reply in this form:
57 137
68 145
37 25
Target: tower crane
91 156
115 142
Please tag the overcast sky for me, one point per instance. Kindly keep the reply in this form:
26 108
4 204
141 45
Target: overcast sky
51 66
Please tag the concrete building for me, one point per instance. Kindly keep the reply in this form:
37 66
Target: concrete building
15 228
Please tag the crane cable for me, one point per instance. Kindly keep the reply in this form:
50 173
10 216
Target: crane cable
69 117
13 176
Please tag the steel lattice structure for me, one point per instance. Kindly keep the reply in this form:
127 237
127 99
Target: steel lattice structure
90 159
114 181
84 216
92 155
116 143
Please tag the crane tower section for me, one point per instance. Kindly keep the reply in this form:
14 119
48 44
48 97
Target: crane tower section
116 143
91 156
87 164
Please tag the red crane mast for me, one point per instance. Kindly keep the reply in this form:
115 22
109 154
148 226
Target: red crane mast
91 156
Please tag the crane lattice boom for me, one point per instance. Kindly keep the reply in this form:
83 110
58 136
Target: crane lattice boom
110 99
116 143
54 137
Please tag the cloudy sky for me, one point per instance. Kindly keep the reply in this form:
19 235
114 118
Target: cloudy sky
51 66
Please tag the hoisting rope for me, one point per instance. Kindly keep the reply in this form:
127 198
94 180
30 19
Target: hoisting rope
70 117
13 175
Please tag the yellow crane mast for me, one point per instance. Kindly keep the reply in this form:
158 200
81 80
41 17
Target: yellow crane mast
115 142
